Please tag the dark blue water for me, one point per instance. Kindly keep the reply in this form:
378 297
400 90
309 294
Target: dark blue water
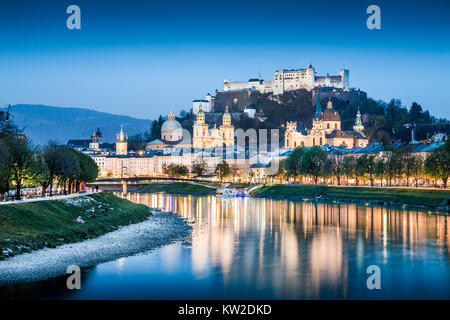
275 249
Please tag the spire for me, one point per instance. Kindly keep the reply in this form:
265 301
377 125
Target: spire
171 115
318 108
121 135
359 127
226 119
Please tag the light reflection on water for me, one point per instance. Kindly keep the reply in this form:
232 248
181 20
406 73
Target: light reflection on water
264 248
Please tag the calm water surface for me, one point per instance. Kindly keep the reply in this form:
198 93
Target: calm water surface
275 249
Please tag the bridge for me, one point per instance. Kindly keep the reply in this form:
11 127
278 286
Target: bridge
138 181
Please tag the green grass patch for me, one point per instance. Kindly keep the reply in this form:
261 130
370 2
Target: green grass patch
35 225
433 198
179 187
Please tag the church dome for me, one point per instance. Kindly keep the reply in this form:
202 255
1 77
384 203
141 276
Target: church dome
200 112
330 114
226 115
170 124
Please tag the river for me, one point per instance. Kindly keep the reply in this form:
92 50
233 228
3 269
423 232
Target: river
255 248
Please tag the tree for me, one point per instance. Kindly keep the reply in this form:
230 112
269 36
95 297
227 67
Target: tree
174 170
437 163
69 168
293 163
394 164
365 165
335 165
199 168
136 142
380 169
222 170
314 163
40 172
348 167
182 170
171 170
88 169
54 157
5 168
409 164
155 130
282 172
416 169
20 154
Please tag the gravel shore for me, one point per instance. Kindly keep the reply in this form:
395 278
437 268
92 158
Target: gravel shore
159 229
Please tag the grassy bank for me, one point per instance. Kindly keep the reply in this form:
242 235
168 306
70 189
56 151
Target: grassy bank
35 225
432 198
179 187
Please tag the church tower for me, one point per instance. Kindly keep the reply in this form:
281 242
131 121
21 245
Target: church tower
200 129
359 127
94 144
226 129
121 143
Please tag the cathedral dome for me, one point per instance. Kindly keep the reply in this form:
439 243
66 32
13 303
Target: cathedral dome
330 114
170 124
226 115
200 113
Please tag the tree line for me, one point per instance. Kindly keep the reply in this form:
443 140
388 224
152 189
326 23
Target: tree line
396 165
222 170
22 164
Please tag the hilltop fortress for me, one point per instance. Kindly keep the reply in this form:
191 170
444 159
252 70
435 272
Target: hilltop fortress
289 80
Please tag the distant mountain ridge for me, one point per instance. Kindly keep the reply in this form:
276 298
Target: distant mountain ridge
43 123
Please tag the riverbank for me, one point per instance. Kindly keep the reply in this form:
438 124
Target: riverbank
179 188
157 230
29 226
401 196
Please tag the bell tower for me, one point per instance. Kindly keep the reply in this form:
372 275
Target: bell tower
94 145
226 129
359 127
121 143
200 129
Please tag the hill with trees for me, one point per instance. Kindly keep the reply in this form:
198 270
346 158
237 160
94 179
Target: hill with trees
385 122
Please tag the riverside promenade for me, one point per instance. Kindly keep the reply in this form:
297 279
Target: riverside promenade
58 197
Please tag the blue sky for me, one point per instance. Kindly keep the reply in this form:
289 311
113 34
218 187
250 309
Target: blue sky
142 58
